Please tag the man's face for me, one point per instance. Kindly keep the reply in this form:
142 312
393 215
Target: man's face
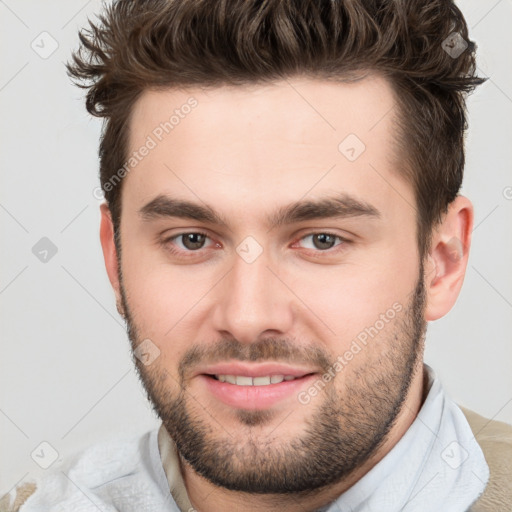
286 349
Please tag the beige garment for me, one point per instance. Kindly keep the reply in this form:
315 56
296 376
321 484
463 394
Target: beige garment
495 439
23 492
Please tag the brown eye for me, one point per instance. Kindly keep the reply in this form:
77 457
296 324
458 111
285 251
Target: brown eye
192 241
189 245
323 241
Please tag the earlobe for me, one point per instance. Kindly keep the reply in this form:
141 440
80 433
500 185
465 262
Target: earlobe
110 253
448 258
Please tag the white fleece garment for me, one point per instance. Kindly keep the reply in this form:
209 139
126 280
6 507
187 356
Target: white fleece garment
436 466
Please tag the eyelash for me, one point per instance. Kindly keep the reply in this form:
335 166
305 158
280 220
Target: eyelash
183 252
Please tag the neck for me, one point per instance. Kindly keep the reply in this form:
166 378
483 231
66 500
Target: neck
205 496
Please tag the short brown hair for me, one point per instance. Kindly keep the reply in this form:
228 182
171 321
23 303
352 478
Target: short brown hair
140 45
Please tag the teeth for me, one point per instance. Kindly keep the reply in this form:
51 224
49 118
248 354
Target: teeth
242 380
261 381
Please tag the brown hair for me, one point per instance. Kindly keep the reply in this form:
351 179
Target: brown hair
139 45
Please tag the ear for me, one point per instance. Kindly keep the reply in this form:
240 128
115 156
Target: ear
110 253
448 258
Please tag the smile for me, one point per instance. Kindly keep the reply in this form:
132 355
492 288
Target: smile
242 380
254 386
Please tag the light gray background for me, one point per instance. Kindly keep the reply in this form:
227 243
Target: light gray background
66 375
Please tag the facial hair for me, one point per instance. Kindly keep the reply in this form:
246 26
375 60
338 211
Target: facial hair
343 430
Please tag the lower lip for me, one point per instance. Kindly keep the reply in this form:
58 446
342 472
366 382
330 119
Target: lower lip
254 397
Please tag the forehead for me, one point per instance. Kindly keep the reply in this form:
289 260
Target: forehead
286 139
309 109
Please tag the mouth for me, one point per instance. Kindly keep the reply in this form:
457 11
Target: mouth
254 386
243 380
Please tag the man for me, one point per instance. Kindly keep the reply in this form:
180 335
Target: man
281 221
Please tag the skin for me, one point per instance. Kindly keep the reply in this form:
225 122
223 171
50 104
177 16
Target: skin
246 152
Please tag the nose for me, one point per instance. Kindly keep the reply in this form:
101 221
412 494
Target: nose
252 301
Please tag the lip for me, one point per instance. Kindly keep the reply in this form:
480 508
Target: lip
254 397
255 369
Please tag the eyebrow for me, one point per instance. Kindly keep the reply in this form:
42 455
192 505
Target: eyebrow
338 206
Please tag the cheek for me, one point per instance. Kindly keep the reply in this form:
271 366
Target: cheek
161 297
352 298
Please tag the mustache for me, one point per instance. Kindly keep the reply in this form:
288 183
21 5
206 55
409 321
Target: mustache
268 349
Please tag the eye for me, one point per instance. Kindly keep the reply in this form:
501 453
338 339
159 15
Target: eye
323 241
190 242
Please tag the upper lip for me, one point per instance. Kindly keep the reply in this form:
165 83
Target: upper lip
254 369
